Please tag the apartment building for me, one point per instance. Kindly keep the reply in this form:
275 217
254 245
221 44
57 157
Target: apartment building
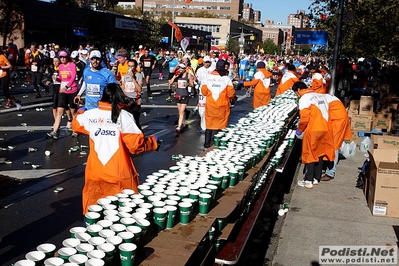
299 20
222 8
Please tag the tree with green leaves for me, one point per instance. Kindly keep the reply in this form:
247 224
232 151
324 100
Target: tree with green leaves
370 28
11 18
231 45
269 47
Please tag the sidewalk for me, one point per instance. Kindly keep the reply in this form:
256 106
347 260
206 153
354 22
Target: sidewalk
333 213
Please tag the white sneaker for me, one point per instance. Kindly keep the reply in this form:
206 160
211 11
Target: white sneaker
305 184
69 125
315 182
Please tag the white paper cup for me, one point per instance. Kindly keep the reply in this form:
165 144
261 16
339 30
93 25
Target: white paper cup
83 248
105 223
95 208
71 242
78 259
53 261
112 218
110 212
94 229
139 215
96 241
47 248
24 263
83 236
76 229
114 240
36 256
118 228
106 233
103 201
66 252
94 262
125 209
96 254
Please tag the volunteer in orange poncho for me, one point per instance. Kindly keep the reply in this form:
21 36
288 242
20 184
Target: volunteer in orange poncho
288 79
318 82
315 129
341 132
113 136
261 81
219 91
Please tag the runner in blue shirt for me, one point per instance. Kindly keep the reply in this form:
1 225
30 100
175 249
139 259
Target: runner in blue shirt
173 62
95 79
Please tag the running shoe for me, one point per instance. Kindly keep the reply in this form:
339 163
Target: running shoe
8 104
169 99
177 130
305 184
53 135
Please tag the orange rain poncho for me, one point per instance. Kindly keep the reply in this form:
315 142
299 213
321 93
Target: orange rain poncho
218 91
339 121
288 79
315 124
109 166
318 83
261 81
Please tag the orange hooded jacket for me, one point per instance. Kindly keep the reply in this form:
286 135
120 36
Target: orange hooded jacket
218 91
109 166
339 121
288 79
261 81
318 83
318 139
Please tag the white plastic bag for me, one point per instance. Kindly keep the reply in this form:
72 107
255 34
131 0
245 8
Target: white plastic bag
348 149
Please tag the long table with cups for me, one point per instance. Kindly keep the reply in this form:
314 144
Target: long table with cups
140 229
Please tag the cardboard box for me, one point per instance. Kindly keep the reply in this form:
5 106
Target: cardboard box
352 112
386 142
354 105
383 121
361 122
383 186
366 106
354 135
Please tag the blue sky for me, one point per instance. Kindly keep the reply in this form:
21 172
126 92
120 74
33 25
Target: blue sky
278 10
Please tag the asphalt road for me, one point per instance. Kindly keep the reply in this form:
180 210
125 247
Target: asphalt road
31 213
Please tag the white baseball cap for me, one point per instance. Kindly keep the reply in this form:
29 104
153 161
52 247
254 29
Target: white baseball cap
83 51
140 46
74 54
95 53
207 59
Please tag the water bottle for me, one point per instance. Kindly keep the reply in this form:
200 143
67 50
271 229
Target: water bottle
365 144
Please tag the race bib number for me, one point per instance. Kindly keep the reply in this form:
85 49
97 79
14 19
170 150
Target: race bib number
129 86
182 83
147 64
33 68
93 90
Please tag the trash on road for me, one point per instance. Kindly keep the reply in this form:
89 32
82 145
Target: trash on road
27 163
36 166
32 149
24 124
74 149
11 147
19 114
84 146
47 153
58 189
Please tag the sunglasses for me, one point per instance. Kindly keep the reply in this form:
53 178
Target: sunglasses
63 57
95 58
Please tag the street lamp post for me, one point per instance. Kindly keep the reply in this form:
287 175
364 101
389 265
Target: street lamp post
173 21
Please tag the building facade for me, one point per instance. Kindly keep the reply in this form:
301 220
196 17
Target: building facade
222 8
299 20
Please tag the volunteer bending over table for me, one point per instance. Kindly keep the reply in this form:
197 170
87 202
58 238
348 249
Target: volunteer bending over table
113 137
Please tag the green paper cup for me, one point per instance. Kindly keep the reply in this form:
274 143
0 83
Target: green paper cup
182 194
83 248
136 230
94 229
127 237
159 218
103 201
108 250
64 253
211 233
174 169
240 172
37 256
128 221
171 215
113 199
92 218
95 208
75 230
127 253
114 240
48 249
233 173
204 202
225 181
185 212
194 194
216 140
118 228
83 236
143 224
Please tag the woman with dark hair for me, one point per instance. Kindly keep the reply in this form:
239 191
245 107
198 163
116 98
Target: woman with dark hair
113 137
